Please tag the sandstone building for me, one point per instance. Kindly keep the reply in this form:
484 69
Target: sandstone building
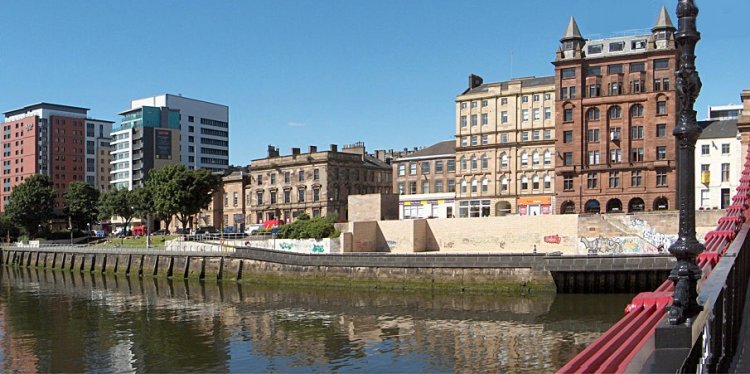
426 182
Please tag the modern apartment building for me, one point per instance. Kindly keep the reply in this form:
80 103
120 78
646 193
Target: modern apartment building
426 182
719 112
505 137
168 129
317 183
97 153
48 139
718 164
616 110
204 126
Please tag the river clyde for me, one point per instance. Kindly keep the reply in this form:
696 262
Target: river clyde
59 321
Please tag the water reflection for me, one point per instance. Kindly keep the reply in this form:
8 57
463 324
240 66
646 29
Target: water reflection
74 322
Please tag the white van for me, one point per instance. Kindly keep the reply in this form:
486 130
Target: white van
252 229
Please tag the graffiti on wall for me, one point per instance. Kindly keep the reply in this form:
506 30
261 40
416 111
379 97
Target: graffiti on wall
304 246
622 245
552 239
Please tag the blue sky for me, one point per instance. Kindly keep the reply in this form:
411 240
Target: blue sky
304 72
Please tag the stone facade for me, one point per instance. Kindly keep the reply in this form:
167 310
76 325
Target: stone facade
233 214
317 183
616 110
373 207
505 135
426 182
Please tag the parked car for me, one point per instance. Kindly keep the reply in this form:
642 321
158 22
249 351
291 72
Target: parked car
182 231
253 229
206 230
161 232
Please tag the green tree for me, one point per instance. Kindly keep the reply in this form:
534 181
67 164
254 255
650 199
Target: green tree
81 204
117 203
31 204
143 202
182 192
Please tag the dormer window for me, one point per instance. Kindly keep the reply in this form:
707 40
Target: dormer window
638 44
596 48
569 45
616 46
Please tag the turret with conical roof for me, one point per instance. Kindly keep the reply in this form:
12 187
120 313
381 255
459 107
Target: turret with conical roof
663 23
572 32
572 42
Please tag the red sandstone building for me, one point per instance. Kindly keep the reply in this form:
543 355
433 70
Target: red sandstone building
44 139
616 109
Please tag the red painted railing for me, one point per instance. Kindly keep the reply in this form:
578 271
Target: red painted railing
614 350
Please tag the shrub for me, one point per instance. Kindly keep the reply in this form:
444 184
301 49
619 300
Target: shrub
315 228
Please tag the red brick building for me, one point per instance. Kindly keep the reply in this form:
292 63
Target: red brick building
616 109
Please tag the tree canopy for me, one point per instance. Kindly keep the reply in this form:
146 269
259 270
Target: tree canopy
117 203
180 191
31 203
81 204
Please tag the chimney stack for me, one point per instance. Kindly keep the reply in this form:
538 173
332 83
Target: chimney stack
295 151
475 81
272 151
334 148
313 149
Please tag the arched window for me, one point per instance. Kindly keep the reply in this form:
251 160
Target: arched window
524 159
636 204
661 203
463 185
636 110
593 114
473 162
547 157
592 206
474 185
504 185
547 182
568 207
485 185
535 182
615 112
463 163
524 183
504 160
614 206
485 162
535 158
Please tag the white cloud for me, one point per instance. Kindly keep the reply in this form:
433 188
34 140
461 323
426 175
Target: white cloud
296 124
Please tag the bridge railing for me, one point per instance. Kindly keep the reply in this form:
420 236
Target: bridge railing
630 343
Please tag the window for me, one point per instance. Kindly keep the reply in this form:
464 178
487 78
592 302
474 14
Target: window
615 155
635 178
614 88
614 179
536 97
547 157
536 135
524 159
316 174
451 185
593 114
567 183
572 92
547 113
615 134
464 141
474 186
301 195
636 86
568 158
524 115
705 149
438 186
568 73
485 185
593 157
636 132
425 187
504 101
273 178
524 136
504 185
615 112
616 46
474 162
537 114
439 167
412 188
287 196
592 135
451 166
548 96
636 110
425 167
595 48
638 44
260 180
485 103
661 177
661 130
485 139
661 64
547 134
485 118
485 162
592 180
524 99
259 196
287 177
567 115
661 153
636 154
661 107
412 168
615 69
473 104
504 161
636 67
474 140
535 182
316 194
568 136
301 176
594 70
463 121
474 120
401 169
725 149
463 105
400 188
524 183
535 158
595 90
504 138
725 172
503 117
564 92
547 182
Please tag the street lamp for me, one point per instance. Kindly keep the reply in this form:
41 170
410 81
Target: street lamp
686 273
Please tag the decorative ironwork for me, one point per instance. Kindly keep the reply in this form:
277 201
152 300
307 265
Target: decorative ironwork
686 273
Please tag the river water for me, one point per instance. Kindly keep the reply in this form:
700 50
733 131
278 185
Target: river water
57 321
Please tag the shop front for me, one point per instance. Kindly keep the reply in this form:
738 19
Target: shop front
534 206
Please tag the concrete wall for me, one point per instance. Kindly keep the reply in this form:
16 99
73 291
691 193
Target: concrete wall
641 233
373 207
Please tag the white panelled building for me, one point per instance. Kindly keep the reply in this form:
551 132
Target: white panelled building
718 164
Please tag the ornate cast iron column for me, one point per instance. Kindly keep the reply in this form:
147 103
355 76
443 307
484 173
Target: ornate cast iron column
686 273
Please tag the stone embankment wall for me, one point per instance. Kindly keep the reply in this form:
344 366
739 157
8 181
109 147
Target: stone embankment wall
640 233
509 272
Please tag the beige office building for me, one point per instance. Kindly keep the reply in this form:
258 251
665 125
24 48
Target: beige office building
505 147
317 183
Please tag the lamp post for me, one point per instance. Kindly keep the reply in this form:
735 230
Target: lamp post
686 273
